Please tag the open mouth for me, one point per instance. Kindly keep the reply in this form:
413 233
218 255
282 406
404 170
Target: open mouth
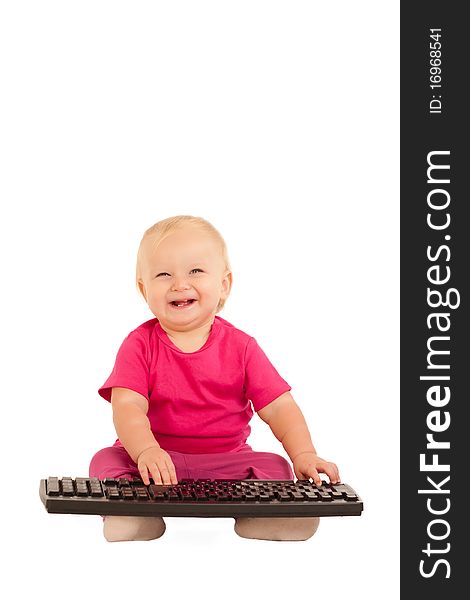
182 303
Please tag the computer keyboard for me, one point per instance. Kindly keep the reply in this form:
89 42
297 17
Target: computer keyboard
199 498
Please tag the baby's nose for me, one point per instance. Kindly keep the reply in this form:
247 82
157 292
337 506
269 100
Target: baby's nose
180 283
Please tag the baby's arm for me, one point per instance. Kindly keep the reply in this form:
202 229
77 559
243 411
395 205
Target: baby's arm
133 429
288 424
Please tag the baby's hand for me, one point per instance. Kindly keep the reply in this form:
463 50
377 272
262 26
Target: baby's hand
158 463
308 464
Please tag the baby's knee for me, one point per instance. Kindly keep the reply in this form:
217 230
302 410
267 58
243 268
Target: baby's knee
291 529
127 529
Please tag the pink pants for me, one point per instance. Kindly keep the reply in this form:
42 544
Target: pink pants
115 462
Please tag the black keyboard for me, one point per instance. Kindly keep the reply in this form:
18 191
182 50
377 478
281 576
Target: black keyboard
199 498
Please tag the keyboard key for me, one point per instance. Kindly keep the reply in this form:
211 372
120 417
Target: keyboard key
53 488
250 497
341 488
156 492
95 487
141 493
127 492
312 496
112 493
82 487
67 487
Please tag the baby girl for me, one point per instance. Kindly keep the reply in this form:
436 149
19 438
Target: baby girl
185 384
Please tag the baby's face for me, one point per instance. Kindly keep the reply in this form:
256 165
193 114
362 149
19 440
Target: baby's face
184 278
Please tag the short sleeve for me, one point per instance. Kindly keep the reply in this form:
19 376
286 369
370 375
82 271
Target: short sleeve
263 384
131 369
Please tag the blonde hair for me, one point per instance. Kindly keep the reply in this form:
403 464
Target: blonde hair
159 231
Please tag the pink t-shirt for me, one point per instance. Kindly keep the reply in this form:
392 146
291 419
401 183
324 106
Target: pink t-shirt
199 402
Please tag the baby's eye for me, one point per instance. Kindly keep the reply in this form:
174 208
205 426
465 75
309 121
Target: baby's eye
162 274
196 271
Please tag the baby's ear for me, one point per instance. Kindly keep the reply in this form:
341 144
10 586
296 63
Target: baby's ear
142 289
227 283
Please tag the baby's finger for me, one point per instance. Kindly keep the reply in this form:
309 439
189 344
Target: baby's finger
332 471
313 473
165 473
156 474
337 477
172 470
144 474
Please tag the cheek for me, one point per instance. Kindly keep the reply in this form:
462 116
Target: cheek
156 295
210 289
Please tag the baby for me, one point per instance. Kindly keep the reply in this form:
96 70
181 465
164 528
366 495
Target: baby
184 386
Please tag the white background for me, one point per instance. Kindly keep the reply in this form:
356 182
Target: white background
277 122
